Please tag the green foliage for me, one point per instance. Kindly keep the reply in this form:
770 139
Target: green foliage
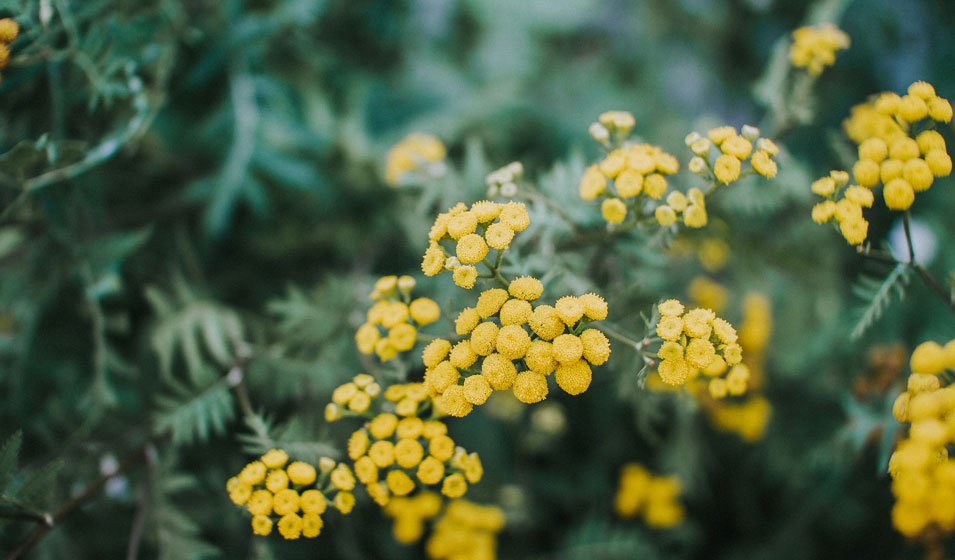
878 296
194 414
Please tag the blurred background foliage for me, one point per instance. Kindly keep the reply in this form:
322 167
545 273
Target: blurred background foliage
190 188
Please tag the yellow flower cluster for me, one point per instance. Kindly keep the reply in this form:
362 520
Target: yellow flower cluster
626 172
393 311
698 341
353 397
9 29
890 153
514 345
843 204
815 47
612 127
655 498
410 514
731 149
497 223
390 454
923 476
297 494
415 152
690 206
466 530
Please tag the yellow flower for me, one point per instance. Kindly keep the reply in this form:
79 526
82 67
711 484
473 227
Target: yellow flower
311 525
285 501
613 210
898 194
596 347
737 146
344 501
9 29
430 471
261 525
824 186
629 183
473 469
253 473
365 470
453 403
441 377
814 47
512 342
239 492
394 314
595 308
485 210
540 357
918 173
462 356
466 320
332 412
410 154
357 445
471 248
665 215
476 389
698 322
463 224
763 165
441 447
673 372
301 473
928 358
490 301
433 261
545 322
276 458
433 429
695 216
342 478
655 185
592 184
939 162
454 486
515 312
670 327
671 308
366 337
737 379
499 235
717 387
530 387
724 331
484 338
424 310
860 195
408 453
498 371
569 309
260 503
434 352
912 108
700 353
727 168
276 480
465 276
382 453
402 337
574 378
313 501
940 109
526 288
720 134
613 164
514 214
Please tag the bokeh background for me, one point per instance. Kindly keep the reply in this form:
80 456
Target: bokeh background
227 158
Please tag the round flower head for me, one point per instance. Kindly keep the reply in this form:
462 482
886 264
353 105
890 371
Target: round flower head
435 352
673 372
366 337
465 276
655 185
763 165
499 235
695 216
670 351
613 210
357 444
530 387
342 478
629 183
408 453
424 310
940 109
698 322
898 194
912 108
939 162
592 184
540 357
700 353
545 322
301 473
724 331
486 210
285 501
276 480
670 327
290 526
512 342
824 186
514 214
394 314
261 525
410 428
736 146
239 492
365 471
569 309
260 503
430 471
918 173
727 168
677 201
466 320
861 195
275 458
567 348
665 215
382 453
574 378
462 224
526 287
441 447
9 29
671 308
928 358
253 473
484 338
433 261
402 337
453 403
498 371
515 312
720 134
471 248
462 356
613 164
595 307
311 525
442 376
490 301
596 347
344 502
477 389
454 486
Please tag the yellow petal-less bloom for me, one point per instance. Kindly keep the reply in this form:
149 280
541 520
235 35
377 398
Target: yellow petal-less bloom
408 453
673 372
253 473
430 471
737 146
540 357
311 525
764 165
477 389
629 183
567 348
655 185
276 480
665 215
471 248
545 322
515 312
260 503
596 346
498 371
261 525
454 486
366 337
484 338
671 308
436 351
442 376
313 501
490 302
441 447
574 378
530 387
344 502
727 168
499 235
514 214
433 429
512 342
462 356
424 310
433 261
301 473
939 162
918 174
928 358
402 337
595 307
382 453
365 470
453 403
719 134
465 276
239 492
695 216
486 210
526 288
285 501
670 327
276 458
898 194
613 210
463 224
466 320
342 477
569 309
357 445
592 184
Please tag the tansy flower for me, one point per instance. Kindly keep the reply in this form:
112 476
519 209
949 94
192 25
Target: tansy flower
301 473
499 235
471 248
274 459
526 288
490 301
477 389
530 387
261 525
313 501
574 378
515 312
545 322
454 486
453 403
465 276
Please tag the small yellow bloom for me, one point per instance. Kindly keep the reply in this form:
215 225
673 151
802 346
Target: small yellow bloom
424 310
727 168
592 184
498 371
260 503
463 224
530 387
629 183
574 378
898 194
253 473
613 210
512 342
465 276
301 473
313 501
454 486
453 403
408 453
344 501
484 338
499 235
433 261
545 322
466 320
277 458
285 501
477 389
430 471
261 525
596 346
515 312
526 288
514 214
673 372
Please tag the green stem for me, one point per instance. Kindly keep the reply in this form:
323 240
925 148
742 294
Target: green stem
908 237
617 335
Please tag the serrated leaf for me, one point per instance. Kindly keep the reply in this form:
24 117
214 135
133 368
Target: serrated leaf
194 414
39 485
878 295
9 455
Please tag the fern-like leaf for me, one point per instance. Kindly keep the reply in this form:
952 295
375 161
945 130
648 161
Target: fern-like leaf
192 414
597 539
9 455
878 294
